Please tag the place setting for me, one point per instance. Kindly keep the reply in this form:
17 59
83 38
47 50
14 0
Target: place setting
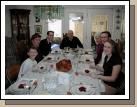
83 89
24 86
82 85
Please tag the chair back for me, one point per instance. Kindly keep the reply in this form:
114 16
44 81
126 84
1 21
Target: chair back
119 46
12 72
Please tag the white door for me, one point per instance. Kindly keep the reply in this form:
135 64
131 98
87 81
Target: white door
76 21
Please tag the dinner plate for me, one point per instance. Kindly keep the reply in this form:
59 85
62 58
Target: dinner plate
24 86
86 58
61 90
82 79
83 89
55 51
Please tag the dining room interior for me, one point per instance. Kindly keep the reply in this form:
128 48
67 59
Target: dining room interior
22 21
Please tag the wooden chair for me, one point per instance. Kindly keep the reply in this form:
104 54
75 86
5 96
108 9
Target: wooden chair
12 73
119 46
10 52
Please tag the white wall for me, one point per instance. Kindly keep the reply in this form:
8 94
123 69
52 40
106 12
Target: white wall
115 34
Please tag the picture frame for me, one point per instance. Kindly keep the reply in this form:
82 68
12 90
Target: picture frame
38 29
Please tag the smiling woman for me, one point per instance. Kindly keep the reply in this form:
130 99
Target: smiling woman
112 69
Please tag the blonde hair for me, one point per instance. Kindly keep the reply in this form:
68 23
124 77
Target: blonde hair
97 35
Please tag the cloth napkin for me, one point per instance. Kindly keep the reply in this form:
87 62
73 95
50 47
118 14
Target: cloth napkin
63 78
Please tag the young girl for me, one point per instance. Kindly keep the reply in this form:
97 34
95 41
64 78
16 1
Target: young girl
29 63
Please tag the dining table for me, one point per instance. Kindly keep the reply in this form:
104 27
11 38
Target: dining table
46 79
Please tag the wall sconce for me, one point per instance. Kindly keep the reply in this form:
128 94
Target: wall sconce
117 27
37 19
118 22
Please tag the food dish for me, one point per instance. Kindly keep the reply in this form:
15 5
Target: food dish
24 86
83 89
64 65
83 79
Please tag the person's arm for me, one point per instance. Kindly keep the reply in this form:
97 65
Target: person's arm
99 55
63 43
25 67
98 58
97 67
79 43
43 48
115 72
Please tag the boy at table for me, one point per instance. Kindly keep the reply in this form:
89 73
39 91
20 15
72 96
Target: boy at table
29 63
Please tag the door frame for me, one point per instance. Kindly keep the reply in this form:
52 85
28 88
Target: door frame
66 22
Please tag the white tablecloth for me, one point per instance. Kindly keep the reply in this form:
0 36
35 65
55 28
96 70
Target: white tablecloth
51 81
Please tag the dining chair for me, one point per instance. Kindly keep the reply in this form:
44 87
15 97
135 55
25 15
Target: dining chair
12 73
119 46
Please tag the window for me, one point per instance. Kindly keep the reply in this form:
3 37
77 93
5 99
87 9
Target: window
56 26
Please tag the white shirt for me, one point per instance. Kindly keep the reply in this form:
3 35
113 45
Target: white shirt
26 66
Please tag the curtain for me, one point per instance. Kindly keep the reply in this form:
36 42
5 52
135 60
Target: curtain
49 12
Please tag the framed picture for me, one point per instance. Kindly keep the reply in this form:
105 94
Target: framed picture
37 19
38 29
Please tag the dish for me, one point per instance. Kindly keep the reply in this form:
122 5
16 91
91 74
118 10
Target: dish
87 71
83 89
86 58
64 65
24 86
40 68
50 58
60 90
82 79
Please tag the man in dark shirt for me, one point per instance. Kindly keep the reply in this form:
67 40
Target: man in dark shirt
70 41
45 44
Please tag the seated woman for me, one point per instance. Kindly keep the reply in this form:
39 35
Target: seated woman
112 75
99 47
35 41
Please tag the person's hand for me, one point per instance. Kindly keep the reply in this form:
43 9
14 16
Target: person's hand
99 68
96 75
98 72
93 75
92 66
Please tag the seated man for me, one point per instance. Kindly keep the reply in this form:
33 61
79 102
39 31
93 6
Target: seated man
70 41
45 44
